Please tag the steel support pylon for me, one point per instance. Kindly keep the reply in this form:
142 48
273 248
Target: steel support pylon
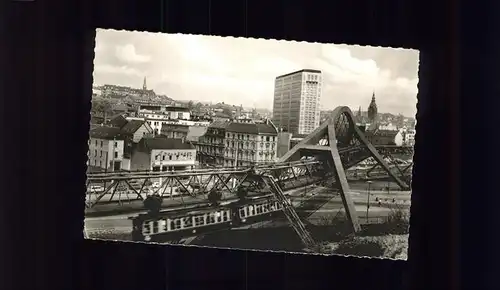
310 146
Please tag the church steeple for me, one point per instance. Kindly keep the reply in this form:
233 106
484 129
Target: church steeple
372 110
359 116
144 85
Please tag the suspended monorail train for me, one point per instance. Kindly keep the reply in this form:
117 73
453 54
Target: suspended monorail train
167 226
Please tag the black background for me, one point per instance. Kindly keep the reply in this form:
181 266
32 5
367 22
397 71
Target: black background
48 53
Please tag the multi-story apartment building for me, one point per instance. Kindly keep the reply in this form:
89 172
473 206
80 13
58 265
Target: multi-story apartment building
297 96
249 143
408 136
156 119
106 147
238 143
175 131
210 146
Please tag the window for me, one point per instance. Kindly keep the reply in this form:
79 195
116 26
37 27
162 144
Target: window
101 143
95 151
116 144
95 142
100 153
116 154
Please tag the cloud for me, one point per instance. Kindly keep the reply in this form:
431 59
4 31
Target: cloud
125 70
127 54
242 71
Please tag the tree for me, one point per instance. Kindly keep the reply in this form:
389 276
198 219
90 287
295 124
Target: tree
190 105
102 107
227 111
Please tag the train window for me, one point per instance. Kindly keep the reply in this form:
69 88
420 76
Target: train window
211 219
188 222
146 228
242 212
198 220
227 215
155 227
218 216
162 225
177 223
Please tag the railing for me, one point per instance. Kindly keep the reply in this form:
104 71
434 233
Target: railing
144 174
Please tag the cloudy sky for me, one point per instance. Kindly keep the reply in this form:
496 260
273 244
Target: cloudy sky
241 71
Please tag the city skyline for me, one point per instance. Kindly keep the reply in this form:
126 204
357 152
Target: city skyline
242 71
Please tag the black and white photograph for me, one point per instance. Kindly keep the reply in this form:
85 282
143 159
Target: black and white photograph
251 144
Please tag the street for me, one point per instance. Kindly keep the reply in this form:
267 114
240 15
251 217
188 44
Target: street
315 197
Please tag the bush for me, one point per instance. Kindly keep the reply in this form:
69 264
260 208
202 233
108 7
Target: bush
338 226
365 248
398 222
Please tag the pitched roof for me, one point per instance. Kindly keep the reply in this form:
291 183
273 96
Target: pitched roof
265 128
219 124
175 127
118 121
177 109
149 144
195 132
251 128
221 115
105 132
132 126
382 133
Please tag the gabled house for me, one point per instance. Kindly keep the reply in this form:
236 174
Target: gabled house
136 130
385 137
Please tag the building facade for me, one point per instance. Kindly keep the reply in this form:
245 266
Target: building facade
210 146
163 154
385 137
283 146
297 96
106 148
249 143
176 131
408 137
165 115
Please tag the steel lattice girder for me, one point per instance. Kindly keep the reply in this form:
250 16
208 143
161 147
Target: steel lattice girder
345 144
198 183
